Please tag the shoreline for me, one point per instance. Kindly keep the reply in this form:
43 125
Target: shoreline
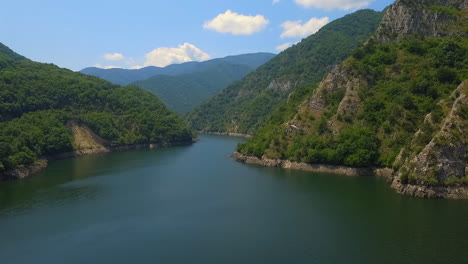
422 191
29 170
225 134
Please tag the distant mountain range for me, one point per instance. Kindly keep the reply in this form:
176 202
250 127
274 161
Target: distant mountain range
184 86
182 93
126 76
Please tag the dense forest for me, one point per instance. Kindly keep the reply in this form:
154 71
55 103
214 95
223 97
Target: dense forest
245 104
386 97
38 100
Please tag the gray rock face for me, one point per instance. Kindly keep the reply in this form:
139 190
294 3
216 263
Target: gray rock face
280 86
340 78
444 158
423 17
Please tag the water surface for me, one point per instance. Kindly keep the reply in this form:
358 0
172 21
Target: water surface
194 204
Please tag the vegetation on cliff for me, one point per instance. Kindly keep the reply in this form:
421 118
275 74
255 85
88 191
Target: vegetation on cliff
242 106
384 106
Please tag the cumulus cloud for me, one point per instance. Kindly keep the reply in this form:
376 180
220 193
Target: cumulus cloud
335 4
283 46
162 57
97 65
237 24
111 67
293 29
114 56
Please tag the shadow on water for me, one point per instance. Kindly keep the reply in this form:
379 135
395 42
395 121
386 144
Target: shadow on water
49 185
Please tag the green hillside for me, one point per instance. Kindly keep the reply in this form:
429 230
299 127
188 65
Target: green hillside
394 103
182 93
38 101
242 106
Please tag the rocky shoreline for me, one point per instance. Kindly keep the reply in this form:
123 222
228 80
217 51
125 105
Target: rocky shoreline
423 191
26 171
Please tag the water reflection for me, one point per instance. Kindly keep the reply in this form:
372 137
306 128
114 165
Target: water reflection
55 197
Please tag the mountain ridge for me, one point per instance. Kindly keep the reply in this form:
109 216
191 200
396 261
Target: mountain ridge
241 107
128 76
182 93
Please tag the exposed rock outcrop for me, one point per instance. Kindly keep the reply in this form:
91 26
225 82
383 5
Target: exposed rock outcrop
424 17
434 168
340 78
23 172
85 142
443 161
281 86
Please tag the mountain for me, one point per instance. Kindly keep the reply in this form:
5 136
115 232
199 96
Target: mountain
182 93
125 76
400 102
47 111
6 52
242 106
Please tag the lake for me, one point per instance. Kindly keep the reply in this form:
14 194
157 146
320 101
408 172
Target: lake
193 204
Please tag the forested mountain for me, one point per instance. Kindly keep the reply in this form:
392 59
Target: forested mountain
242 106
8 56
125 76
182 93
46 110
400 101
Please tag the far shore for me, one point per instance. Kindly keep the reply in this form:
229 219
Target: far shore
226 134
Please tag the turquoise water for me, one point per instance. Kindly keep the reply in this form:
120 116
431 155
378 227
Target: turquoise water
194 204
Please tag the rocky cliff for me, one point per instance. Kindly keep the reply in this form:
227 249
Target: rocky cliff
436 18
394 103
443 161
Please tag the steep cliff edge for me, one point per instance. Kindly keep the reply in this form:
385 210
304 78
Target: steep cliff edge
441 166
435 18
394 103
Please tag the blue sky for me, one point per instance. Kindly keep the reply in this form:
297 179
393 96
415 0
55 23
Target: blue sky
78 34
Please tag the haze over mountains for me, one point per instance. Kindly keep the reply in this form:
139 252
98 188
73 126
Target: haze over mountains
184 86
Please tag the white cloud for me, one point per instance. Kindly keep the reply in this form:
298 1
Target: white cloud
114 56
293 29
335 4
283 46
276 1
97 65
136 67
237 24
162 57
111 67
